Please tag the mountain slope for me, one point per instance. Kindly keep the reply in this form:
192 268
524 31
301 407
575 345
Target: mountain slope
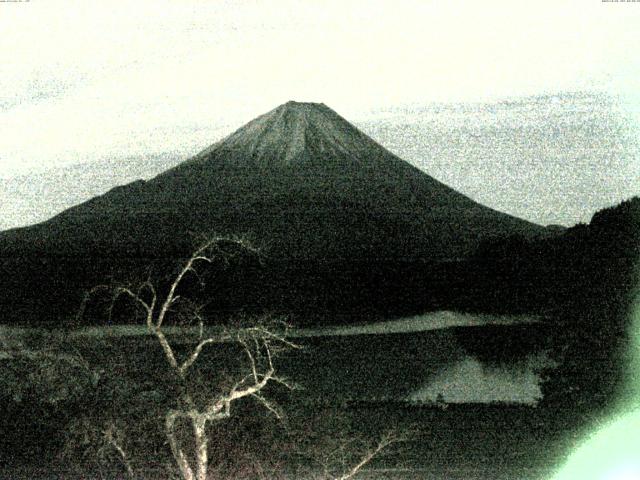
344 226
299 180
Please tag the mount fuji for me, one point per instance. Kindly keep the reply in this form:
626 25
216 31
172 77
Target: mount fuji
300 182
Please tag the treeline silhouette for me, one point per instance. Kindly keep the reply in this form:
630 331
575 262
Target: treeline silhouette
584 282
584 272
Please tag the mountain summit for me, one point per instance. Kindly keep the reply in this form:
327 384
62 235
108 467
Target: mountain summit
284 134
296 133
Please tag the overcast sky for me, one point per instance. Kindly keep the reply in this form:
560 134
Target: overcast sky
83 81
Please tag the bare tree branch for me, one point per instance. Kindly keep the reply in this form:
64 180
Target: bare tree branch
197 256
268 405
365 460
166 347
126 291
384 442
258 342
194 355
178 454
252 361
110 437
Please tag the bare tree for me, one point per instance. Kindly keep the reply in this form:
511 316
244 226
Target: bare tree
349 457
367 456
259 343
186 420
329 450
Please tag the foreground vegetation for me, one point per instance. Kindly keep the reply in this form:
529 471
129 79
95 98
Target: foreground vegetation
202 406
198 382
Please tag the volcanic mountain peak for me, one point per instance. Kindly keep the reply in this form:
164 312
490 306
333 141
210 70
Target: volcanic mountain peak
292 132
303 106
301 176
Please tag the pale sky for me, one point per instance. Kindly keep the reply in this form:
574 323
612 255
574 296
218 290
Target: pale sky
83 81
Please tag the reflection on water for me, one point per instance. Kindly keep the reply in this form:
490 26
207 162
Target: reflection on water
419 358
468 380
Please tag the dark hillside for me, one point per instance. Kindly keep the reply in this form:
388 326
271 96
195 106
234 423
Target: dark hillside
585 281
